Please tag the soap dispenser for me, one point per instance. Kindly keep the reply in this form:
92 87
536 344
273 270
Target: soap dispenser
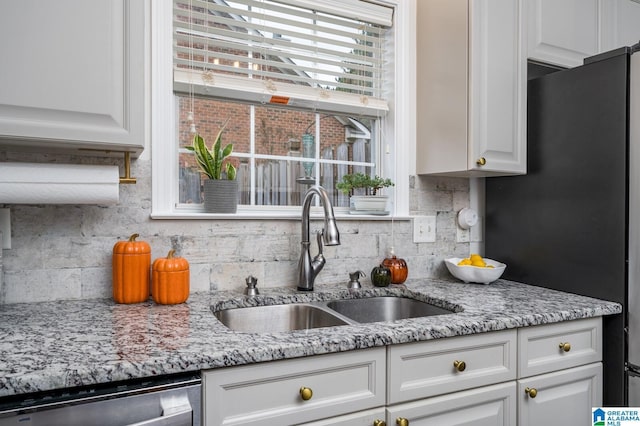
251 289
354 278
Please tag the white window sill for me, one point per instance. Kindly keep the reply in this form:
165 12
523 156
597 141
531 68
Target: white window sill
271 215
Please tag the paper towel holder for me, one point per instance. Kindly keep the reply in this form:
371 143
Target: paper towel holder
127 170
126 179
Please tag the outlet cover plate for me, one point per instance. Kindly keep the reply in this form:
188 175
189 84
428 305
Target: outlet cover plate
424 229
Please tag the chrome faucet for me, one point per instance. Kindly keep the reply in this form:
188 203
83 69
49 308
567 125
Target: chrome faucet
308 269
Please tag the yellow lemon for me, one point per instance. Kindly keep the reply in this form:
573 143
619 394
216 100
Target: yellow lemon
475 257
464 262
478 262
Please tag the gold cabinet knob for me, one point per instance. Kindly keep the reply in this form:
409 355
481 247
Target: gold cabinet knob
306 393
401 421
379 423
565 346
532 392
460 365
481 161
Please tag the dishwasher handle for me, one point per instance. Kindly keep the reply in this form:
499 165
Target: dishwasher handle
176 411
183 418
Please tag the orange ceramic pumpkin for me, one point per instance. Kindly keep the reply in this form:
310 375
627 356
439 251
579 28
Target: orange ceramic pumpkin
131 262
398 267
170 280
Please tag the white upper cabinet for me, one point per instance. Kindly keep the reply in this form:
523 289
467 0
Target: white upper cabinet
564 32
621 24
471 85
73 74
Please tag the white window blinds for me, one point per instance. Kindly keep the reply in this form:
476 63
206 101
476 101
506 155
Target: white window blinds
291 52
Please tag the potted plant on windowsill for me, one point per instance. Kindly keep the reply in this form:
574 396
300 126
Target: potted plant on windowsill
364 193
221 188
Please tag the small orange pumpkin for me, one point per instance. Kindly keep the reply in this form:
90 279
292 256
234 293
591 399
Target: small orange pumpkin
130 268
170 279
398 267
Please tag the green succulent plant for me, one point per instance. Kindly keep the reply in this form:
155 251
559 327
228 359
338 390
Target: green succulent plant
360 180
211 160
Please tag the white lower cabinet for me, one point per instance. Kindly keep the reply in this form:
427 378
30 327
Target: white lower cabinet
560 398
373 417
485 406
559 372
295 391
424 369
541 375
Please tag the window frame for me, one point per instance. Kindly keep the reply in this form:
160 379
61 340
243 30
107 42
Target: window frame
399 123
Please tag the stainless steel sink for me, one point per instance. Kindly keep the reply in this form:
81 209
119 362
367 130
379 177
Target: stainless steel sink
385 308
302 316
276 318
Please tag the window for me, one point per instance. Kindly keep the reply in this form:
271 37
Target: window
307 91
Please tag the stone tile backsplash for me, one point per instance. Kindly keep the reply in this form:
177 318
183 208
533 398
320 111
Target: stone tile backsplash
64 252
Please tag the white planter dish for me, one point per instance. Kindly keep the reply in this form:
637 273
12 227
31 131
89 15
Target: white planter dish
369 203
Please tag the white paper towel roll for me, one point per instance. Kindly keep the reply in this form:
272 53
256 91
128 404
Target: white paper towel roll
50 183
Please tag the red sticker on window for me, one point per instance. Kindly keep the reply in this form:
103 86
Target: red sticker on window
282 100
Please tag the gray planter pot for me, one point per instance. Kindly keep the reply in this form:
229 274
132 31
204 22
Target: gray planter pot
220 196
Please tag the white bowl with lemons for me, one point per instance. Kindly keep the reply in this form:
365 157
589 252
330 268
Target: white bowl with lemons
475 269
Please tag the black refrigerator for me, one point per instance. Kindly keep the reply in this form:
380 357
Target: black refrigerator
572 223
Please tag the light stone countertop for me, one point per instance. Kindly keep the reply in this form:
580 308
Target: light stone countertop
53 345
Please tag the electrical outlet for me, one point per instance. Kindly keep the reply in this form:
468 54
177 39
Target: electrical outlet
424 229
5 228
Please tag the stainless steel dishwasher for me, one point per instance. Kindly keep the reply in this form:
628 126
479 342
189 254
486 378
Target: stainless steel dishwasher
168 401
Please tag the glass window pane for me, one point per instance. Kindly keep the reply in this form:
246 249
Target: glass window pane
288 149
207 115
279 131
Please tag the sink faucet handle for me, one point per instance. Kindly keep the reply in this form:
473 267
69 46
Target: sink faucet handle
251 289
319 236
318 261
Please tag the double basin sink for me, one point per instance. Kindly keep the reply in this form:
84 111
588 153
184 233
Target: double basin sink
302 316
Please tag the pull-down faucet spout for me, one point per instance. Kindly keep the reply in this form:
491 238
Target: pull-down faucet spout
308 269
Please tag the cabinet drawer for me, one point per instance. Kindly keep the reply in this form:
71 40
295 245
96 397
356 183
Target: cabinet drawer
540 348
269 394
361 418
489 405
419 370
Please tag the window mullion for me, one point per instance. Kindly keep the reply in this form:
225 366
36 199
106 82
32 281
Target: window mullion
252 158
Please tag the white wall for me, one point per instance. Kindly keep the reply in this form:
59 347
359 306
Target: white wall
64 252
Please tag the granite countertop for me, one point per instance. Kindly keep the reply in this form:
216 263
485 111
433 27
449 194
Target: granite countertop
53 345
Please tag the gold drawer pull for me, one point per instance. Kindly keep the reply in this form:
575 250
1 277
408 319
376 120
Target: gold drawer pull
306 393
379 423
401 421
481 161
532 392
460 365
565 346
